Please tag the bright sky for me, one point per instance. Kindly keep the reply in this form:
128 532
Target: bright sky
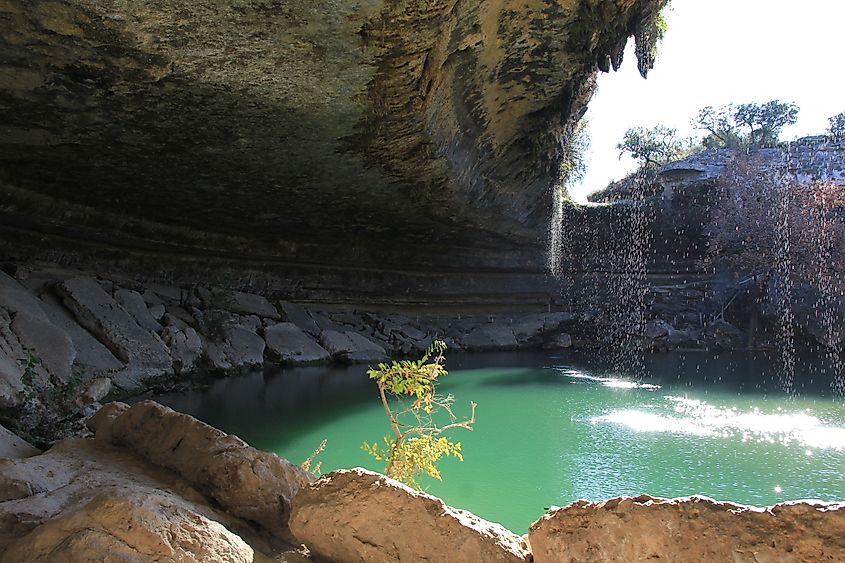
716 52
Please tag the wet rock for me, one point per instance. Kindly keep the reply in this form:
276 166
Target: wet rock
689 529
287 343
351 346
359 515
99 313
244 303
138 526
135 305
297 315
248 483
12 447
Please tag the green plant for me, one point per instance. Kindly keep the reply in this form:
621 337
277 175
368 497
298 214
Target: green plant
306 465
29 365
416 444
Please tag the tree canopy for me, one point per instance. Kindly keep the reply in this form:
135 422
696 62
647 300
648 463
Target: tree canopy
653 146
837 124
753 124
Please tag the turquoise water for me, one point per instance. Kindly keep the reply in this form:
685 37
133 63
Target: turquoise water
552 429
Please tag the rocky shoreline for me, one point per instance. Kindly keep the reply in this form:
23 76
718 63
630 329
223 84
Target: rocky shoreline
154 484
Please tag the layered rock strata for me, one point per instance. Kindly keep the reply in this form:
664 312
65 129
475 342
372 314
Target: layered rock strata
348 131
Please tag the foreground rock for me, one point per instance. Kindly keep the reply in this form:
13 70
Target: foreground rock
689 529
248 483
140 526
358 515
84 500
12 447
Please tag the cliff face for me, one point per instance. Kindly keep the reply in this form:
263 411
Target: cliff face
338 130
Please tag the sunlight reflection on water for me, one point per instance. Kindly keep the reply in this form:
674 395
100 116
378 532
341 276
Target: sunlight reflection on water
606 381
699 418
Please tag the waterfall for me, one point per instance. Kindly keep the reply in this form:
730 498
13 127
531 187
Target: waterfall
782 289
822 241
556 244
628 283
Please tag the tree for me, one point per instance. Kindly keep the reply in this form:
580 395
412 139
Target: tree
763 124
722 131
416 443
837 125
765 121
652 147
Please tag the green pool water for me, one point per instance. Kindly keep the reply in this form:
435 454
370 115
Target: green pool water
554 429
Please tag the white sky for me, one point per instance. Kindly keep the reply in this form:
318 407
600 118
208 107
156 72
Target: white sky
716 52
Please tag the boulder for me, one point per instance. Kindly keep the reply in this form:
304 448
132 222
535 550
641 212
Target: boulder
722 334
239 347
52 511
12 388
529 327
99 313
489 337
18 300
689 529
411 333
244 303
134 304
92 357
364 349
351 346
248 483
117 525
297 315
358 515
288 344
49 343
657 328
186 347
324 322
94 391
12 447
559 341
